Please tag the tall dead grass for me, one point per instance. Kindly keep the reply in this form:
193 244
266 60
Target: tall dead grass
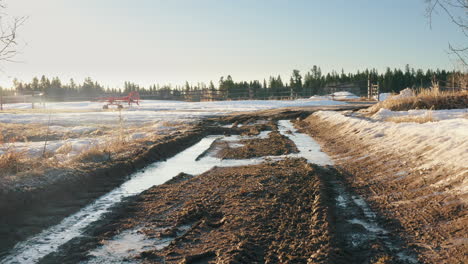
413 119
425 99
11 162
104 152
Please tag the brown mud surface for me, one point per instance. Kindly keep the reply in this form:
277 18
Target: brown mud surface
431 219
275 212
268 213
274 145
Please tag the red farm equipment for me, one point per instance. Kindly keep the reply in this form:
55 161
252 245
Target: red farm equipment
131 98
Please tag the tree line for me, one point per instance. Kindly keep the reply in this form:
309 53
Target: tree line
313 82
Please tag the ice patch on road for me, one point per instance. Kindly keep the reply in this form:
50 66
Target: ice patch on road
307 146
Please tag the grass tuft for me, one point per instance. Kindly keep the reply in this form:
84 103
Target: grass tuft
11 162
412 119
425 99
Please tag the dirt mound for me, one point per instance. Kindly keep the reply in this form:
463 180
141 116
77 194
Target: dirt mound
274 145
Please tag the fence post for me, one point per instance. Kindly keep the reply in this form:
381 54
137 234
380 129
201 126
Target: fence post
368 87
378 91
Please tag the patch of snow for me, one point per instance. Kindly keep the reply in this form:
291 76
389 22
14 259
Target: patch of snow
344 96
437 115
371 227
384 96
138 135
35 149
403 94
83 129
76 129
319 97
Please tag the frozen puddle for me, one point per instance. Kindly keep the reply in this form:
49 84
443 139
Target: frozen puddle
307 146
125 244
130 243
355 211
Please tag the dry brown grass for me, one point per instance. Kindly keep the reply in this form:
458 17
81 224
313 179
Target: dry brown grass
21 132
425 99
104 152
11 162
414 119
94 154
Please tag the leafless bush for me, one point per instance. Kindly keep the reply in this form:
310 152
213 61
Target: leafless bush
8 33
457 12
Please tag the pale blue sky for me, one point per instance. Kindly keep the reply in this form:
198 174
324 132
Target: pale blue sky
170 41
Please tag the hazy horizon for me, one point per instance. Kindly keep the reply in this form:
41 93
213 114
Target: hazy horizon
150 42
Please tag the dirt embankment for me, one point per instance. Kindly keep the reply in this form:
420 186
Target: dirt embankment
432 219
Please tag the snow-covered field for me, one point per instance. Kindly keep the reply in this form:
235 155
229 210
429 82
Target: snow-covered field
439 144
79 113
152 117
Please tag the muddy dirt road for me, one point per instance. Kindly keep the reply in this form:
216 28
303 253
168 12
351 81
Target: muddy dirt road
266 197
258 192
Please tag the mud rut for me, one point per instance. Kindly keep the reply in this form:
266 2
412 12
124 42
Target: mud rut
283 203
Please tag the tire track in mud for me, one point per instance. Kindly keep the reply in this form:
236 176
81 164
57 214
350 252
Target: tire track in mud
285 211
